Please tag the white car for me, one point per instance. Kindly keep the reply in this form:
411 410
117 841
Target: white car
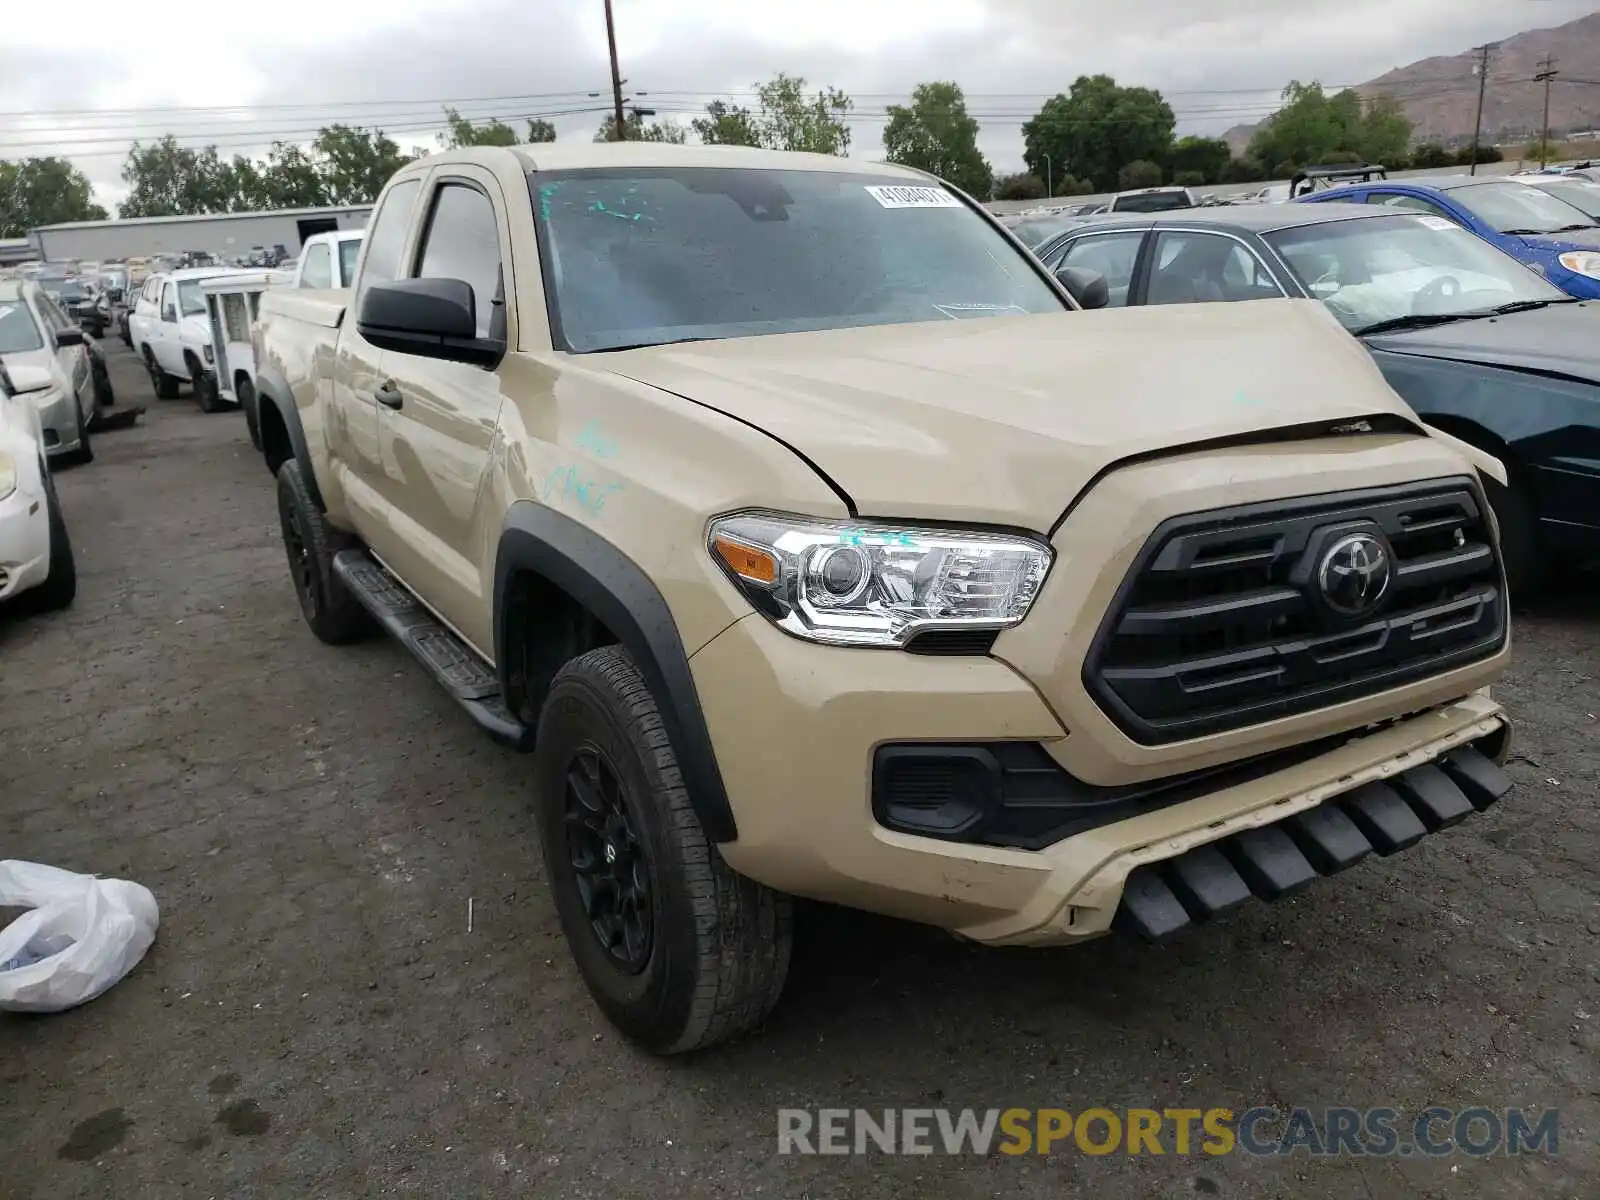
35 553
170 331
36 333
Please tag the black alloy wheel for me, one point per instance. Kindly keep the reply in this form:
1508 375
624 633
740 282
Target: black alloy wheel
608 860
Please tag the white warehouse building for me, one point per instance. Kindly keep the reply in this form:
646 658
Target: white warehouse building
222 234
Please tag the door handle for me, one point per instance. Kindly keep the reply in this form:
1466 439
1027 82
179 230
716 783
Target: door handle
388 395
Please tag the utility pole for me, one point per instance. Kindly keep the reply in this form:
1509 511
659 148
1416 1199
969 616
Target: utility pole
1477 124
616 75
1547 72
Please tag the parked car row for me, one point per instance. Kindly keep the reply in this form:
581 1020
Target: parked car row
1475 342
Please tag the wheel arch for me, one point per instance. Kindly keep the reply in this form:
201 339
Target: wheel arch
278 418
544 548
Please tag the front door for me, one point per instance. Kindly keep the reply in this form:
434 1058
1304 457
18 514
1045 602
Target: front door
167 343
357 374
436 444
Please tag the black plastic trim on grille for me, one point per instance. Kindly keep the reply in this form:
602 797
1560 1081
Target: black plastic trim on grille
953 641
1217 625
1014 794
1279 859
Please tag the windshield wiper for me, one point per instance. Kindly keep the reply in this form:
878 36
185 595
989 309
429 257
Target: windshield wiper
647 345
1516 306
1532 232
1416 321
1579 225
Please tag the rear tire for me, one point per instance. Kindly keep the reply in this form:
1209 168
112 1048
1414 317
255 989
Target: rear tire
677 950
166 386
206 392
246 392
60 587
334 615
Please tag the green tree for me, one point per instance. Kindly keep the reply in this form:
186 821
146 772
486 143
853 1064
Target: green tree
1140 173
43 191
459 131
637 131
789 120
935 133
1245 170
1097 128
727 125
1313 127
1190 179
1431 155
1206 157
165 179
540 131
1486 154
291 178
1019 187
355 163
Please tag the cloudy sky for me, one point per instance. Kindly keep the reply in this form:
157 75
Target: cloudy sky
241 75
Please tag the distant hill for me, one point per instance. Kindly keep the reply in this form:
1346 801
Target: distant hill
1440 95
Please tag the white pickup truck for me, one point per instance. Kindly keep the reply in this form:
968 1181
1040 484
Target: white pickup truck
327 263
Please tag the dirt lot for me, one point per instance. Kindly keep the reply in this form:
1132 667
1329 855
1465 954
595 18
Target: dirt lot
316 1020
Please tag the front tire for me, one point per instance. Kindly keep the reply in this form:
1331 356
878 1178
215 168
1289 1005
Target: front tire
104 396
206 393
335 616
84 454
1526 564
60 587
677 950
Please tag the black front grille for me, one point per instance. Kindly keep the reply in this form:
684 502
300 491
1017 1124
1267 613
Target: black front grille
1223 622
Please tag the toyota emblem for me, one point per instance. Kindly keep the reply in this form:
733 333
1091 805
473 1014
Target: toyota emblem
1354 574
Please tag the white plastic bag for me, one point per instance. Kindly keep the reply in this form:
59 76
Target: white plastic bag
83 935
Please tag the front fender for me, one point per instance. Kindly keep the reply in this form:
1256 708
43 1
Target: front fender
272 390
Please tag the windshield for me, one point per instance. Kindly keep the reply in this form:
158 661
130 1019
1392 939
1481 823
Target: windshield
18 330
191 300
1375 269
653 255
349 251
1154 202
1517 208
1585 197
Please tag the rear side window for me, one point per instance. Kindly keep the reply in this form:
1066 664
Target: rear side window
387 236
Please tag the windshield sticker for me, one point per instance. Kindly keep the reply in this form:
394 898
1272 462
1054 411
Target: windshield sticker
1439 223
6 310
901 196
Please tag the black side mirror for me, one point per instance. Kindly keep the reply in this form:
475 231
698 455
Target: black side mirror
70 337
1088 288
434 318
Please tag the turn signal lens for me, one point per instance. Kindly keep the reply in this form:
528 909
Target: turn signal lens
747 562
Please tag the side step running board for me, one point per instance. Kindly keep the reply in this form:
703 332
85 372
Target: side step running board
461 672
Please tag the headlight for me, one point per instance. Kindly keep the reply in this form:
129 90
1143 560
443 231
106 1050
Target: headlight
8 473
1582 262
877 585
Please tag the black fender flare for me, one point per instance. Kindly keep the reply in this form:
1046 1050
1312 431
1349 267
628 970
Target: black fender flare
273 387
611 586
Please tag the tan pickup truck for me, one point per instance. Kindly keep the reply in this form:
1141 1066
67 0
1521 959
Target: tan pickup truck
816 544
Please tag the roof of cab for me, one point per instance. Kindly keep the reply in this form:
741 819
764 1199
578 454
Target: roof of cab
577 156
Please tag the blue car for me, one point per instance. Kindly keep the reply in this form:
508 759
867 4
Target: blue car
1539 230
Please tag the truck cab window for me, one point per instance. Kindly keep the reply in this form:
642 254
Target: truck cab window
386 236
463 242
318 269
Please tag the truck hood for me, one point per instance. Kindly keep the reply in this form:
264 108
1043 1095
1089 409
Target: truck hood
1006 420
1559 340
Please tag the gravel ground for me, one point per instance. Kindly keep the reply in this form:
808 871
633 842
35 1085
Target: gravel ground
316 1019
